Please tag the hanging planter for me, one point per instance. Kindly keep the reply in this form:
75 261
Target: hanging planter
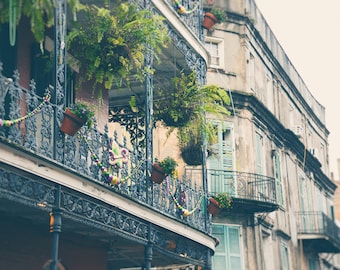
71 123
75 117
157 173
213 207
215 15
192 155
209 20
162 169
220 201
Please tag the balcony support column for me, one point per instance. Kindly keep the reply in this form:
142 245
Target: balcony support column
148 124
59 94
148 256
55 229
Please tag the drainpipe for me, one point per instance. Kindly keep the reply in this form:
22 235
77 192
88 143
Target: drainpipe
55 229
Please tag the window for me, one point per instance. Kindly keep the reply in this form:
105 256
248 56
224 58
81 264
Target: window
314 264
251 72
259 153
215 47
228 254
42 70
222 160
278 178
8 53
284 256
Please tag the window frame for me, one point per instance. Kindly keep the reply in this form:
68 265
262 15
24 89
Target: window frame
220 51
227 253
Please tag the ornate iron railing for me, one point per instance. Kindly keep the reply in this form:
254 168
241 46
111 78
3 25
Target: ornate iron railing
37 134
311 222
240 185
193 16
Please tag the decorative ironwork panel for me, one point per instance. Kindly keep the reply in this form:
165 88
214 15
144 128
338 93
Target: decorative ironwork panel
90 212
244 185
26 190
192 17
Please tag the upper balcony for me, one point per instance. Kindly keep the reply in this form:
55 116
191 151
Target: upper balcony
36 156
32 130
318 232
250 193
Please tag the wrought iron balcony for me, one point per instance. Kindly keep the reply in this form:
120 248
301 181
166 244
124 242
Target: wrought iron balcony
318 232
250 192
191 15
87 155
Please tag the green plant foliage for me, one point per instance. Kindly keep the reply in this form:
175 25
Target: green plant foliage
84 111
168 165
186 101
184 106
219 14
223 199
112 45
39 12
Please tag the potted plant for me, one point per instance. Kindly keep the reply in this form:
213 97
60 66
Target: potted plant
215 15
191 140
162 169
223 199
176 105
213 207
111 45
185 100
184 106
219 201
75 116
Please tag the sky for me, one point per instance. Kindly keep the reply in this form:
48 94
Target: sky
309 32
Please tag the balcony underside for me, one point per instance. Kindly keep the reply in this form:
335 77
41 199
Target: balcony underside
319 243
88 221
251 206
122 253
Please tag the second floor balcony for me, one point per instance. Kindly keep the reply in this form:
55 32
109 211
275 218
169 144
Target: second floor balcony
318 232
30 128
250 193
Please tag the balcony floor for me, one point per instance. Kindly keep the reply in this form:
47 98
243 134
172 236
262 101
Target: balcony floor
319 243
251 206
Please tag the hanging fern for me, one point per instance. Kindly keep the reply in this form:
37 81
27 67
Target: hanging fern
39 12
112 44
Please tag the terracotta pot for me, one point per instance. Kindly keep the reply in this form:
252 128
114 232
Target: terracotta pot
157 174
213 207
209 20
71 123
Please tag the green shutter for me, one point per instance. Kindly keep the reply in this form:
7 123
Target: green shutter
278 179
284 257
228 254
258 149
228 161
223 160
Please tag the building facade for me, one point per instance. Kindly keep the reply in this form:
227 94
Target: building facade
276 136
87 201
